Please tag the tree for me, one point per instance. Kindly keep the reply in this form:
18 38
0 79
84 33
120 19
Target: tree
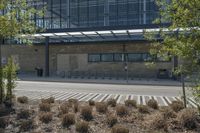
15 20
182 37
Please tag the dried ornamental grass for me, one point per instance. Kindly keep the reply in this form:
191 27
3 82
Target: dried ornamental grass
131 103
101 107
46 107
22 99
86 113
121 110
82 127
112 102
153 104
120 129
68 120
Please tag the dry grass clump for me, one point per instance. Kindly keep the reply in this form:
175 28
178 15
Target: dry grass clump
112 102
168 113
3 122
73 101
91 102
111 120
177 105
119 129
157 121
64 108
76 107
68 120
26 125
188 118
46 107
22 99
23 114
143 109
82 127
86 113
153 104
121 110
45 117
48 100
101 107
131 103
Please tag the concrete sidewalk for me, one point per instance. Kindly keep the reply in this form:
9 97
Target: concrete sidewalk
136 81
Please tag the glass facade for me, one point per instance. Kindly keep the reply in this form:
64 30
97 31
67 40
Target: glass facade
129 57
95 13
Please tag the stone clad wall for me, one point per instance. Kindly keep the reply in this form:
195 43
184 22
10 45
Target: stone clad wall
74 57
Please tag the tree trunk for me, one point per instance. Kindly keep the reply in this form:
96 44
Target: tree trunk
1 75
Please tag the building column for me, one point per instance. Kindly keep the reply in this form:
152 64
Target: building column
144 12
47 57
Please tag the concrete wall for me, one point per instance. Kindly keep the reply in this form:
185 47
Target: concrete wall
75 57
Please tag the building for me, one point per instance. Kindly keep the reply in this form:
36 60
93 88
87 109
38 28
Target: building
92 38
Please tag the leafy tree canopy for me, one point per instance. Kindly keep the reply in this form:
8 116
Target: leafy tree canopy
15 17
182 37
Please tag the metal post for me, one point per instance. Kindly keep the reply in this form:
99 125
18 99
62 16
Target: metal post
47 56
183 87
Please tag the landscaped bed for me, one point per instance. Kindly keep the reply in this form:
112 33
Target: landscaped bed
71 116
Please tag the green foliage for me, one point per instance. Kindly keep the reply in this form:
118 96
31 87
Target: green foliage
15 21
181 38
10 74
16 18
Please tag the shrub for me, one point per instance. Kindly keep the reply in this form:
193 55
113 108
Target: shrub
111 120
112 102
158 121
76 107
101 107
153 104
73 101
130 103
45 107
26 125
23 114
121 110
82 127
91 102
22 99
48 100
68 120
177 105
143 109
64 108
45 117
119 129
168 113
188 118
3 122
86 112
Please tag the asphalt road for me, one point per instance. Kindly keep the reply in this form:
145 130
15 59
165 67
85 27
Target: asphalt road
99 88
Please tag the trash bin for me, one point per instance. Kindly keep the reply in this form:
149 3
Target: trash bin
39 72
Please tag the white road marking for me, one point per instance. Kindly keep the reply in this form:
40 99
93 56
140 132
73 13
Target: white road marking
165 103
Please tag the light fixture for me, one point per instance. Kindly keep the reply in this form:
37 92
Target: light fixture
104 32
61 34
119 31
89 33
47 34
74 33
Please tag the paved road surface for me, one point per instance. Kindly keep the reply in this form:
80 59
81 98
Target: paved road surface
98 92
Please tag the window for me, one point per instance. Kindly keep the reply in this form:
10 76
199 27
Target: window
134 57
107 57
94 57
118 57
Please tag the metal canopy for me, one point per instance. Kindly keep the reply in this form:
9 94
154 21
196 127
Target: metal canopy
91 35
